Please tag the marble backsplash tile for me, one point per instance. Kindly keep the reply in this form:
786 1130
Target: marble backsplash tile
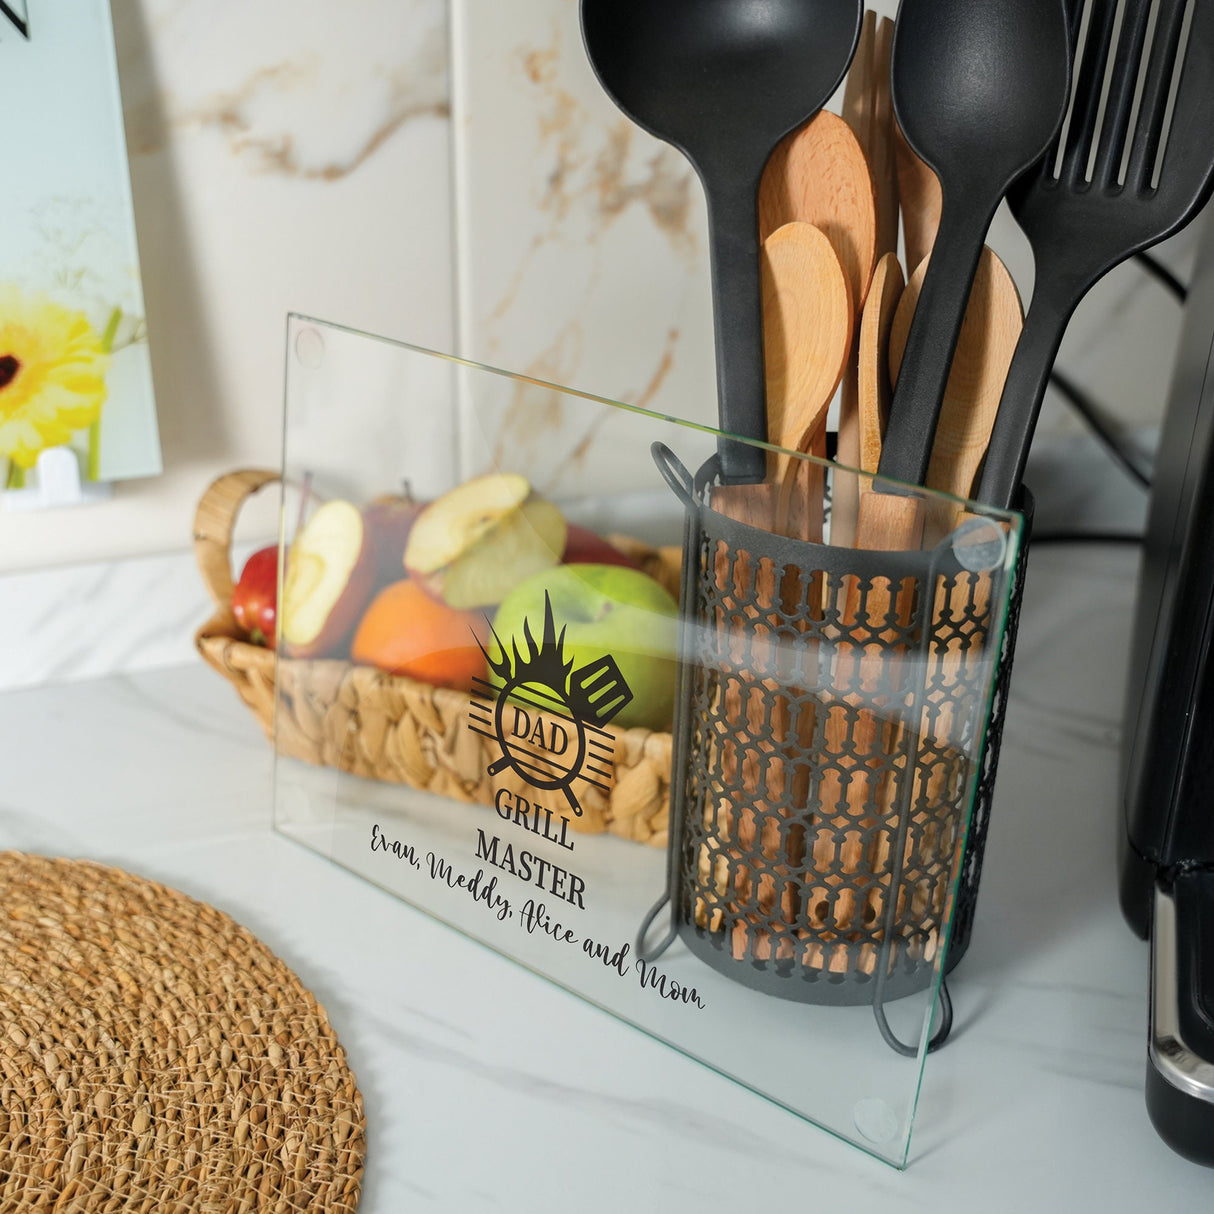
284 156
581 240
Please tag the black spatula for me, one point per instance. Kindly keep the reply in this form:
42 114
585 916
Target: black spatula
1126 182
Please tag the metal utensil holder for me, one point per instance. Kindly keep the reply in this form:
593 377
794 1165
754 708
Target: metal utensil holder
825 756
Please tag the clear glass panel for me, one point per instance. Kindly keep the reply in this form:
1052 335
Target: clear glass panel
683 747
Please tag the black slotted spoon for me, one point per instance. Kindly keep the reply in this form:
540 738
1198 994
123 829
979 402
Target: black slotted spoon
1080 229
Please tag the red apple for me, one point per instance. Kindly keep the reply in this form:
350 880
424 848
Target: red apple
255 596
389 520
330 579
584 547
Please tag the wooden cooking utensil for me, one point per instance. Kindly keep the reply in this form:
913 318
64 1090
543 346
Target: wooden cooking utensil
809 318
990 332
808 326
875 384
867 109
920 200
818 175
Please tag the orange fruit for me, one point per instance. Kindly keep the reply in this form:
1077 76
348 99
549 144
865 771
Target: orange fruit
406 631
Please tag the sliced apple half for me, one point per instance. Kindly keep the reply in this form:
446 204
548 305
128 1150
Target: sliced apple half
330 577
473 545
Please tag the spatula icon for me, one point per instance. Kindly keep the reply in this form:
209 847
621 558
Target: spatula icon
598 691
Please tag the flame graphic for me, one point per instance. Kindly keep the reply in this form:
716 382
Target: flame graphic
544 663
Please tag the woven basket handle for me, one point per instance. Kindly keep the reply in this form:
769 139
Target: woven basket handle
214 522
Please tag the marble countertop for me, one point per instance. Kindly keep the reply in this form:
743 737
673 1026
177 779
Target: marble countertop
487 1088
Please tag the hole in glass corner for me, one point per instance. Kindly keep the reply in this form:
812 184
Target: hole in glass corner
980 545
875 1120
309 348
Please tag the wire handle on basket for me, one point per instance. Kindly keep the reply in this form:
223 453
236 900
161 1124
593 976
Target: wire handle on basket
941 1035
214 524
651 955
674 474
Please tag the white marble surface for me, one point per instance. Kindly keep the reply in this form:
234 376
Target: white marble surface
489 1090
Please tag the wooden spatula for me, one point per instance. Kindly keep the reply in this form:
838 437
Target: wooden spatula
920 201
868 110
874 381
808 322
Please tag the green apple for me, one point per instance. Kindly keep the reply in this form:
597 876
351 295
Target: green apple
604 610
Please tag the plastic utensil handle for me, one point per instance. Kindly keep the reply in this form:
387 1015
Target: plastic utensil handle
1054 302
932 342
737 297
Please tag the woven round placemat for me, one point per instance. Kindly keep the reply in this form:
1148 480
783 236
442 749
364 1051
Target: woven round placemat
155 1056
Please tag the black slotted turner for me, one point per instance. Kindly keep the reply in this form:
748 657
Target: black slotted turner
1080 229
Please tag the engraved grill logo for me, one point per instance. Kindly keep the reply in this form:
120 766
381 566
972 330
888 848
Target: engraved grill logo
547 718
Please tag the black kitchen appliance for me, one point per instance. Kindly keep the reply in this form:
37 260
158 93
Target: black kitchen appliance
1167 862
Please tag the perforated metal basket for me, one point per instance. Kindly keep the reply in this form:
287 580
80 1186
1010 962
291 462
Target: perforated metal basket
833 725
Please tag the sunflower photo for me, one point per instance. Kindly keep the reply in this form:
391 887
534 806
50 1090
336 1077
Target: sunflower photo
75 370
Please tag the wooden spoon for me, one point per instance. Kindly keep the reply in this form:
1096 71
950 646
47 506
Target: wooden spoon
875 387
989 334
808 317
818 175
808 321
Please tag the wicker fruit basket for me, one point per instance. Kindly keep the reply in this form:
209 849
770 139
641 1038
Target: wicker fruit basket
385 727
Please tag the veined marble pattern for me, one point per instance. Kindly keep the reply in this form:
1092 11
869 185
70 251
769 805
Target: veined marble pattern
312 95
582 241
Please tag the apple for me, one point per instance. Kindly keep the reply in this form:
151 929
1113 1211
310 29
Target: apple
473 545
604 610
255 596
389 520
585 547
330 578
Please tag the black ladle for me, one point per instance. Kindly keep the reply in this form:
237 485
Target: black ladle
980 89
724 81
